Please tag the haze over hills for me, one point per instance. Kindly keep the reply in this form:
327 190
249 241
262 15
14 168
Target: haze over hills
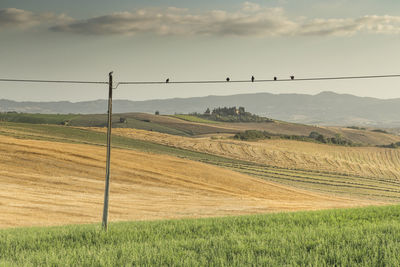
326 108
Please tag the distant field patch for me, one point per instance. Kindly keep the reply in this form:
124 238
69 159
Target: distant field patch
37 118
196 125
194 119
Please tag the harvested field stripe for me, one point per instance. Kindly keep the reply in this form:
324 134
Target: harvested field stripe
50 183
66 134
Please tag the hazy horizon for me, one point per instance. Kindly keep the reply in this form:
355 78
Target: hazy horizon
105 99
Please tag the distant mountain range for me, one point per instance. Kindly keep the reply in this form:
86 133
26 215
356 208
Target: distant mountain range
326 108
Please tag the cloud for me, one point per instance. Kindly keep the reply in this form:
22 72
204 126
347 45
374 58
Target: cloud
347 27
249 20
380 24
18 18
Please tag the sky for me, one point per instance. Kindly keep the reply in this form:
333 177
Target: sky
197 40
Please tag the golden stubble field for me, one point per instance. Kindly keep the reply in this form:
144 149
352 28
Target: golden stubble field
50 183
361 161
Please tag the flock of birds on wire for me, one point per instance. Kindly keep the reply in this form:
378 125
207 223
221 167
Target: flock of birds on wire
252 79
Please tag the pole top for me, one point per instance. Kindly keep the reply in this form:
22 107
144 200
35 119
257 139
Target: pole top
110 73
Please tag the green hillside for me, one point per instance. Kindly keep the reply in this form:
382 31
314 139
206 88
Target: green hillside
193 118
92 120
352 237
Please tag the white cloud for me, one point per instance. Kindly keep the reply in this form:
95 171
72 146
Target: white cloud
342 27
249 20
18 18
380 24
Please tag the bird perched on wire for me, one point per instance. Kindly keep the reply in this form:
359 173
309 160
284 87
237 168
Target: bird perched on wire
252 79
292 77
227 79
275 78
167 80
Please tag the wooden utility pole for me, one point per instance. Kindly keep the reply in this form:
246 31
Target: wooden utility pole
109 126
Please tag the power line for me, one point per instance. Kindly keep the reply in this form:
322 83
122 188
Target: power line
275 79
52 81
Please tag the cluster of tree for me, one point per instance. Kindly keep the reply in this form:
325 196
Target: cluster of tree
337 140
251 135
356 128
392 145
231 114
225 111
379 131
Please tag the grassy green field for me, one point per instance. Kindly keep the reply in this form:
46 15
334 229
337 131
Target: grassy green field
184 125
193 118
352 237
37 118
90 120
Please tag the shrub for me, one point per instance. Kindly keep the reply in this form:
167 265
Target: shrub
380 131
252 135
356 128
392 145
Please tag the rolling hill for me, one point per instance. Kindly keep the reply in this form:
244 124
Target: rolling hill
54 174
325 177
187 125
362 161
326 108
52 183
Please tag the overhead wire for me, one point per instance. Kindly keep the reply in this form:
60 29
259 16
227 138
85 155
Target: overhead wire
258 80
52 81
255 80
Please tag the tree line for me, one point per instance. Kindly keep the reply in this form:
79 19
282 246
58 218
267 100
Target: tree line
230 114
